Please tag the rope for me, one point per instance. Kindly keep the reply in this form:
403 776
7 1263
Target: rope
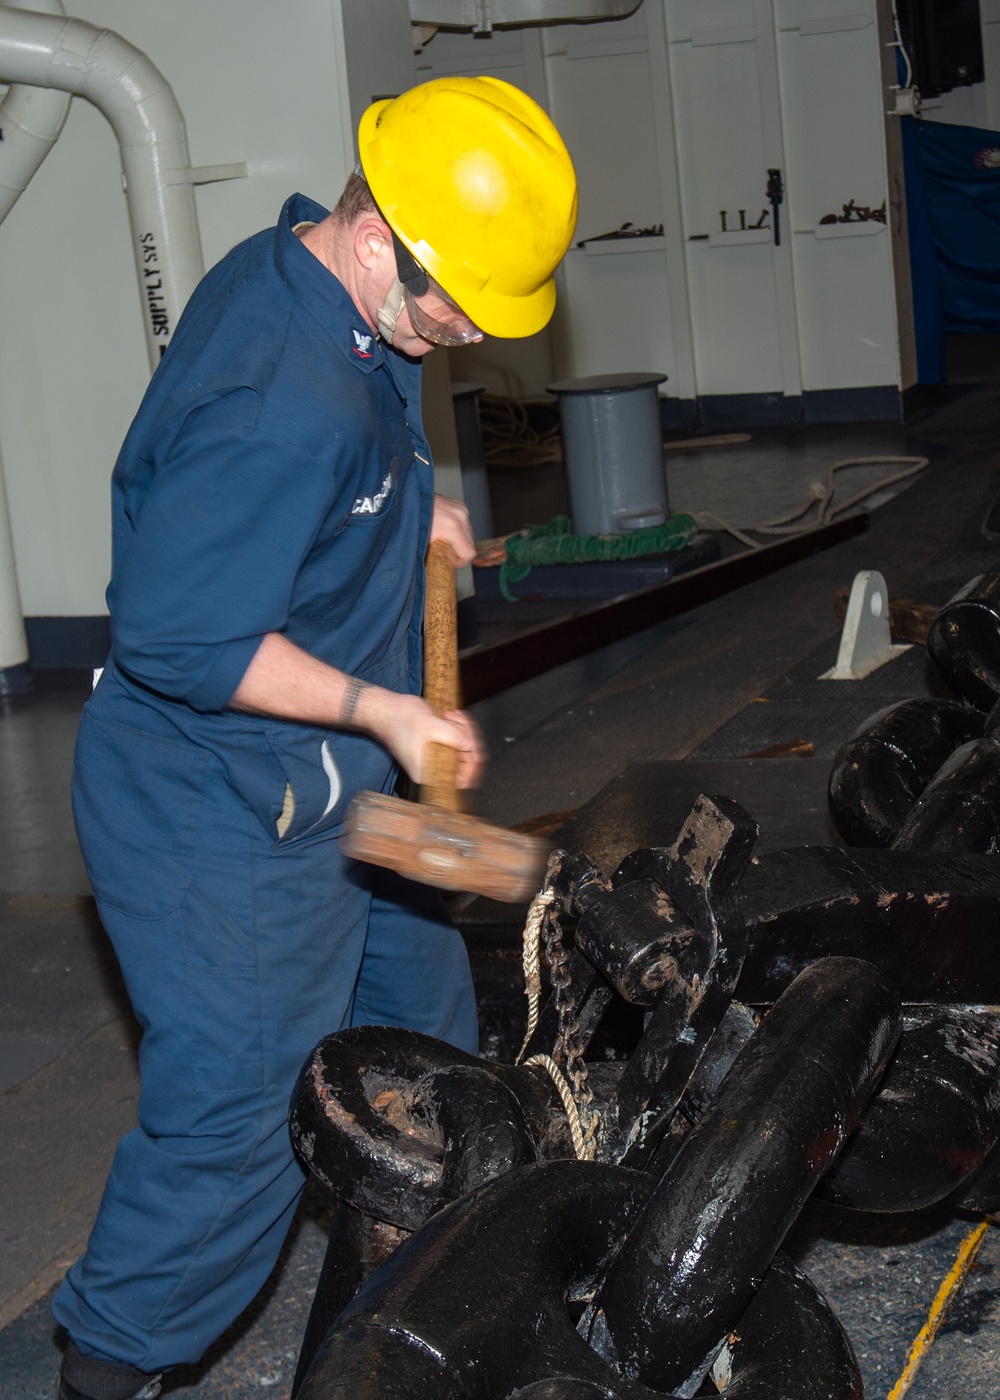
584 1142
509 440
555 543
820 496
950 1285
531 959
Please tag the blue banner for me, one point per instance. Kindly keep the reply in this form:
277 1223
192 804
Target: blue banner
960 179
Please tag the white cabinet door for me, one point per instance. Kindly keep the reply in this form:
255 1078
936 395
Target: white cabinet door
727 116
831 102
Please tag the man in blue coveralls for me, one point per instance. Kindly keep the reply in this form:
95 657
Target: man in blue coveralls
271 507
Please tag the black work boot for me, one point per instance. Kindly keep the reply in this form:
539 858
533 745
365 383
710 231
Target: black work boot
88 1378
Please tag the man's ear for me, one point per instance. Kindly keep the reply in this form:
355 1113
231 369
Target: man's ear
372 240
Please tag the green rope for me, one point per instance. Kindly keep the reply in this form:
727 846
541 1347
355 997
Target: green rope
556 544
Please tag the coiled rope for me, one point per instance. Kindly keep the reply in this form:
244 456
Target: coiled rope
555 543
509 440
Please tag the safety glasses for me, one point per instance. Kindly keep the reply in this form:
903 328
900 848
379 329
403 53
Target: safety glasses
433 314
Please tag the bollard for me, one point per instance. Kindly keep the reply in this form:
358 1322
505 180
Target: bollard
613 447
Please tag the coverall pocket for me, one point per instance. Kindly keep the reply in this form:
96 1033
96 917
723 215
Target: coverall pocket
137 799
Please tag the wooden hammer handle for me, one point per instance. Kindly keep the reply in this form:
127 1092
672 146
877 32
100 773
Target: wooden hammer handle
442 689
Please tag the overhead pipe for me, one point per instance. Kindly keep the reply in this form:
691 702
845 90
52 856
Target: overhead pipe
69 55
484 15
31 119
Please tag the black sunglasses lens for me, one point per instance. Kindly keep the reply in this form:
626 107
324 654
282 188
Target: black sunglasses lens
408 270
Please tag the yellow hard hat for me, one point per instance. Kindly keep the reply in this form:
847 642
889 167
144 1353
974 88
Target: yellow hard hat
475 180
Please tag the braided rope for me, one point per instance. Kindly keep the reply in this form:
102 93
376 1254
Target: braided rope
531 959
584 1140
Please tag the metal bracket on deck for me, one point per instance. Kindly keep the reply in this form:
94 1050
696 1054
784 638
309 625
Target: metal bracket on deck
865 643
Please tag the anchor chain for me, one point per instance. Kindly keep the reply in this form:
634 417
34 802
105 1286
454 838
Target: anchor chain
569 1045
543 926
719 1113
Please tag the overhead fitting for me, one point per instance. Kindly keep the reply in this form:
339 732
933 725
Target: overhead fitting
484 15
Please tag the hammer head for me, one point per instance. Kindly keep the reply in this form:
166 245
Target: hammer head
448 849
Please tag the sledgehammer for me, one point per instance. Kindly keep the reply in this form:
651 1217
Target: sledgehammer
433 841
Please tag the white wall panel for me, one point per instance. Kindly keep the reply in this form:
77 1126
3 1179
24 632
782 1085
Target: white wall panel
991 62
834 143
624 309
512 367
723 158
737 336
618 318
847 315
689 17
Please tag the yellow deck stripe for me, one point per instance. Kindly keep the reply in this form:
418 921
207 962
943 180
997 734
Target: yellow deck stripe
950 1285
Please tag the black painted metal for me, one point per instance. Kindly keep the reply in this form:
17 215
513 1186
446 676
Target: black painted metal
884 766
587 995
788 1343
562 1388
927 921
735 1123
934 1120
964 641
356 1246
735 1029
959 809
981 1193
375 1117
692 975
486 670
520 1247
692 1264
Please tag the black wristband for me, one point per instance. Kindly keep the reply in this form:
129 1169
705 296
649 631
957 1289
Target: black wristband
355 686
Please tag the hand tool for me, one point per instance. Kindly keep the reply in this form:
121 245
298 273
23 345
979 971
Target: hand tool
434 841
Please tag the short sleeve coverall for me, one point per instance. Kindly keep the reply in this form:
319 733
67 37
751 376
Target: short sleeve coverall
276 479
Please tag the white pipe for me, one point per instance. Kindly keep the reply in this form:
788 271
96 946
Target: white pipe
69 55
483 15
13 642
30 122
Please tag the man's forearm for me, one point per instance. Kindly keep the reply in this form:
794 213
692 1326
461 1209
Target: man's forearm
286 682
